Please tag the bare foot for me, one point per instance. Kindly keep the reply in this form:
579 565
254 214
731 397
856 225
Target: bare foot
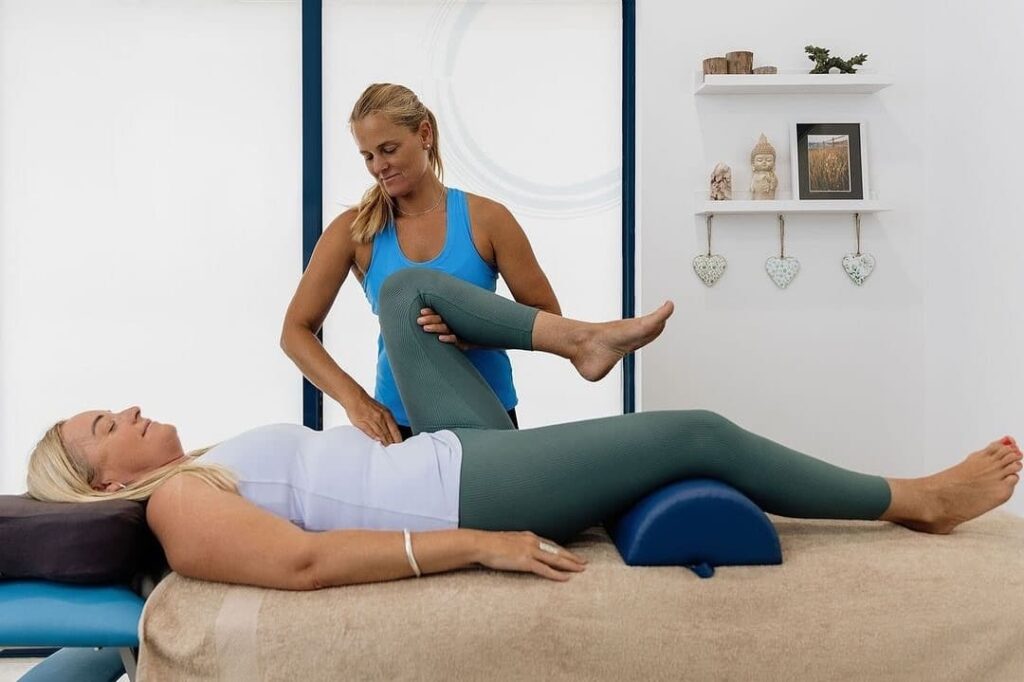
604 344
980 483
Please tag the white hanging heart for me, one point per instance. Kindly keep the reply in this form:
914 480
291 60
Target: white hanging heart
709 268
782 270
858 266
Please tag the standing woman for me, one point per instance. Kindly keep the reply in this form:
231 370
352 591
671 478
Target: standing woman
407 218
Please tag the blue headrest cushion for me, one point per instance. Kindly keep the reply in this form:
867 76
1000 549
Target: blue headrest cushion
700 523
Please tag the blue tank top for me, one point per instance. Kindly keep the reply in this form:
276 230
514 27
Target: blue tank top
458 258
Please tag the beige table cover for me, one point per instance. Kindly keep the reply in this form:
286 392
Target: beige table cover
852 601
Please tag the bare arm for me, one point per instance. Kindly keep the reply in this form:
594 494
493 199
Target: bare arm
327 270
517 263
211 534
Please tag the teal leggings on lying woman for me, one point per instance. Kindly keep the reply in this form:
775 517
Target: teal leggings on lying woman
558 480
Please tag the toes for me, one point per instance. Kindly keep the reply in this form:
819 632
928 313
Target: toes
994 447
991 449
661 314
1013 467
1010 455
998 451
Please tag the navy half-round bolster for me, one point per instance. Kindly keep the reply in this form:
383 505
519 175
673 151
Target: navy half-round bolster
698 523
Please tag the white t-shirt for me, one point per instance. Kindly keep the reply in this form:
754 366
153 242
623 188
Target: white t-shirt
342 478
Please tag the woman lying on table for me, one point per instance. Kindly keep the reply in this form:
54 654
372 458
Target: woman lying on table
468 488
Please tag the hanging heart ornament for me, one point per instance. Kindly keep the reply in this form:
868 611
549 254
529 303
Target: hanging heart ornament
858 266
709 268
782 270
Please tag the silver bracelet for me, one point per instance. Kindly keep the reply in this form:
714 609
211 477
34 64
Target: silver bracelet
409 555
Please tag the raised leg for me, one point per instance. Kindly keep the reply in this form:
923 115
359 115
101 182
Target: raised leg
440 388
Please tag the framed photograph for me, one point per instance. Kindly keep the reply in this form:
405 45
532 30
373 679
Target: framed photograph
829 161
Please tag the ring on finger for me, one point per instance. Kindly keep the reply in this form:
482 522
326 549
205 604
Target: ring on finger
547 547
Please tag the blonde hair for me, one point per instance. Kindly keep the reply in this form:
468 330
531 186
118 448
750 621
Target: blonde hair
402 107
57 475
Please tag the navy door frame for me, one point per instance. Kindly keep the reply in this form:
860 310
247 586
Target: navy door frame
312 179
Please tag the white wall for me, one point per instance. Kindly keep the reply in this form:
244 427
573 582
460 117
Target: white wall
149 215
921 365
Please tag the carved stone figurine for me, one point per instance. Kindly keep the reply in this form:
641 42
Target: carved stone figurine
721 182
762 158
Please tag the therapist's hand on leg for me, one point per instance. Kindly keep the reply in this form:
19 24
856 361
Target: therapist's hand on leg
373 419
433 323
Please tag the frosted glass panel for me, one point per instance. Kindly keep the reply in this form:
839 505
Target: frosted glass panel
150 232
528 101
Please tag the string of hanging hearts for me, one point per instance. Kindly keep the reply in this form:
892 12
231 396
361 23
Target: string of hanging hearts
783 269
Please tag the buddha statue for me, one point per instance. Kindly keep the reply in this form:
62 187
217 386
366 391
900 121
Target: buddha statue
763 183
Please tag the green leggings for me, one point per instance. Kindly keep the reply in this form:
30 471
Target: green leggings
558 480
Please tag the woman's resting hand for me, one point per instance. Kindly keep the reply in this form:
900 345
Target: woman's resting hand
522 551
373 419
431 322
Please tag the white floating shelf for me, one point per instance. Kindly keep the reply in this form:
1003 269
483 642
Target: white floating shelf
729 207
790 84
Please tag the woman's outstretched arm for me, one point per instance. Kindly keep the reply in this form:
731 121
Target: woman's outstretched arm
328 269
211 534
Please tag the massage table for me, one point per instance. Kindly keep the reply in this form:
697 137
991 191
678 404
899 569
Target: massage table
47 613
854 600
73 576
37 613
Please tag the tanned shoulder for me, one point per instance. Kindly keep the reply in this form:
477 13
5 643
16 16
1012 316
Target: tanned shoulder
342 223
489 210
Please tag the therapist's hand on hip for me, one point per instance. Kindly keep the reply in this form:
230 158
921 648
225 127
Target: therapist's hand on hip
372 418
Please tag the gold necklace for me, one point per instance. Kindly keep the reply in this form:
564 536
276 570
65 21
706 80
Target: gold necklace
436 204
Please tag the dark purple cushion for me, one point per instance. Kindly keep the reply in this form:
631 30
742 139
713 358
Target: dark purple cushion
97 542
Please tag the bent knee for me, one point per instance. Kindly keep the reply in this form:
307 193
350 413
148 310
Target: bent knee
697 425
398 282
712 422
401 286
408 282
709 418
